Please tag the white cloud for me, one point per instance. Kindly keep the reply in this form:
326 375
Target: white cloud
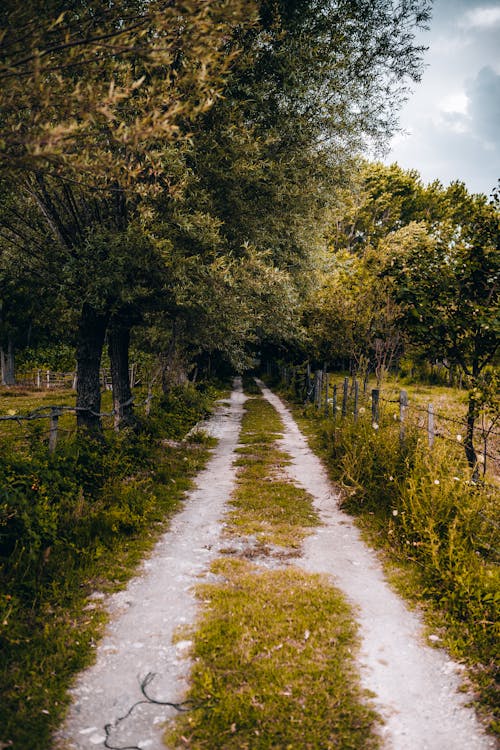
450 125
481 18
456 102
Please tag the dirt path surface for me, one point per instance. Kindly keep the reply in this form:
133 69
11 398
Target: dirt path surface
143 618
415 685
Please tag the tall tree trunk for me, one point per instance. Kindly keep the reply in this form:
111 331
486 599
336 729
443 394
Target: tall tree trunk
118 348
7 364
91 332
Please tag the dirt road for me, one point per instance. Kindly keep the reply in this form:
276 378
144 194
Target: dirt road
416 686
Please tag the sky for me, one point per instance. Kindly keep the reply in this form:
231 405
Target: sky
451 122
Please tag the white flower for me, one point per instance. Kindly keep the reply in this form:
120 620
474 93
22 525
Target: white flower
362 409
436 481
457 479
459 438
375 425
391 478
394 512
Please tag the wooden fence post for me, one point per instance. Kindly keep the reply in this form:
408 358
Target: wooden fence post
344 396
48 378
375 406
54 419
132 374
334 400
356 399
403 403
326 393
430 425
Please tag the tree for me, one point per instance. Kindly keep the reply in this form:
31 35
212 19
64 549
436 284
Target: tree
111 111
352 317
92 91
98 100
304 93
447 282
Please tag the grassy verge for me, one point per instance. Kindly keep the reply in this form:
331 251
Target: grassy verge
274 647
74 524
436 531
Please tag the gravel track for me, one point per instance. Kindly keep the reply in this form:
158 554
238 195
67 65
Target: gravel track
415 686
144 616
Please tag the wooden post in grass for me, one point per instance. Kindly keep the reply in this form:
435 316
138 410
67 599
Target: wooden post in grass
430 425
54 419
356 399
375 406
345 392
48 378
334 402
403 403
326 394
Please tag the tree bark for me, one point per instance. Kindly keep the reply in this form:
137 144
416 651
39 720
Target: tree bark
7 364
91 332
118 348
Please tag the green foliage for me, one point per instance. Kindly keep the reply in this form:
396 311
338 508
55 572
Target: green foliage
70 523
57 357
182 407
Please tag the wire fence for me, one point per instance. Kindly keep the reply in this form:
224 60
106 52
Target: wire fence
54 412
340 397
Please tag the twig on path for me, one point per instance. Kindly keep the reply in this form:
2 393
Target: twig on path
187 705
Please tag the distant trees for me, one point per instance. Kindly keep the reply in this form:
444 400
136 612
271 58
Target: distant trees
446 282
414 267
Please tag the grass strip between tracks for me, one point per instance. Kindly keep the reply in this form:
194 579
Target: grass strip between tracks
274 647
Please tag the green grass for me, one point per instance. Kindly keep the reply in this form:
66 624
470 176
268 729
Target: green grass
274 649
274 666
72 524
266 504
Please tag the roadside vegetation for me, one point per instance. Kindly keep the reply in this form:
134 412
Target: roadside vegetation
274 647
437 530
73 526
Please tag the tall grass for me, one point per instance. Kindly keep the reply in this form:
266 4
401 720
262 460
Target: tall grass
73 523
420 507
